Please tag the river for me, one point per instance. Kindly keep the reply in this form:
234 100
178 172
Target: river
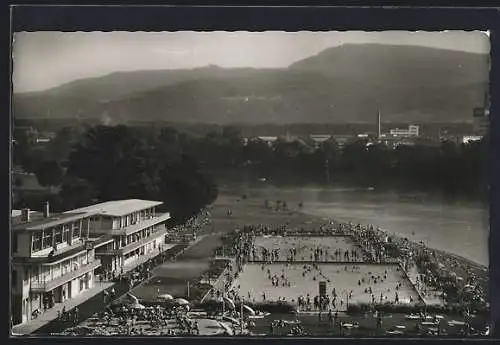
456 226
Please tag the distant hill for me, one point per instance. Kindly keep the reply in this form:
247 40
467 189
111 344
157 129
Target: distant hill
399 65
341 84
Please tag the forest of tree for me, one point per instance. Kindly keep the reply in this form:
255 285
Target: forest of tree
110 163
102 163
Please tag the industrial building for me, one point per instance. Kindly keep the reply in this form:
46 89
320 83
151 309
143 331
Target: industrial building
411 131
481 117
481 121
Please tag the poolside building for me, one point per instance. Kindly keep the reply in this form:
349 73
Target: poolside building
53 260
57 257
137 230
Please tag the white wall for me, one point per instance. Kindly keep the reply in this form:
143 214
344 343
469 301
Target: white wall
75 287
24 245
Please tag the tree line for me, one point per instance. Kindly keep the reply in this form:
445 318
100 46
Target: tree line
446 166
113 162
104 163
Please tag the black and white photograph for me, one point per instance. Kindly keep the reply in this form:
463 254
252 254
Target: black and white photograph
260 184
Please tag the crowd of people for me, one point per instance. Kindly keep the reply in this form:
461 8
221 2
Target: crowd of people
437 270
375 246
442 271
131 320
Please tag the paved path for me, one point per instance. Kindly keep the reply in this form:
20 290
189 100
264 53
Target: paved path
93 302
51 314
432 297
88 303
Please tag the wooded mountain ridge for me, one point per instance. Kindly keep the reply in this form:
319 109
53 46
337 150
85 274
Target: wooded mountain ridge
348 83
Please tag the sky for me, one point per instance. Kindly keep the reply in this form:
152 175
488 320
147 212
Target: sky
43 60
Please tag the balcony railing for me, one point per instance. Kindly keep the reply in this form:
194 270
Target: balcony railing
49 285
133 246
131 229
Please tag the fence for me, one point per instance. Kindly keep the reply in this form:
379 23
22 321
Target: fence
219 283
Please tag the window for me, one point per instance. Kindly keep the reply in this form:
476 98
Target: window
14 277
65 267
59 235
76 230
36 241
47 239
66 234
45 272
14 243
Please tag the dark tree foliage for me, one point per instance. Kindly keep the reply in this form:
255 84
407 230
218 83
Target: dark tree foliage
108 163
60 147
449 167
49 173
77 192
185 188
121 163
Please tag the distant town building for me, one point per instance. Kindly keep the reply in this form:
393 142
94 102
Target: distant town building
343 140
411 131
270 140
481 121
318 139
481 117
471 138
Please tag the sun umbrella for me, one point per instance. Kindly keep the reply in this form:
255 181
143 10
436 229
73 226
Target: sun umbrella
181 301
249 310
231 319
137 306
229 303
469 287
134 299
226 327
165 297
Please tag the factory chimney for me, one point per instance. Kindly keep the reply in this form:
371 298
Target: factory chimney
379 131
25 214
46 210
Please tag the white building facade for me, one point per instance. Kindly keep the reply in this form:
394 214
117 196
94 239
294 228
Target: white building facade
136 230
57 257
411 131
53 259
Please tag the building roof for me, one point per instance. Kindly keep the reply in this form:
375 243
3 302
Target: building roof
266 138
39 222
18 213
319 138
117 208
